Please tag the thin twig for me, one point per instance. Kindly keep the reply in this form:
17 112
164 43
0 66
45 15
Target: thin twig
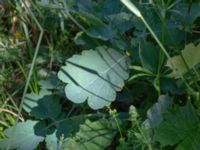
12 113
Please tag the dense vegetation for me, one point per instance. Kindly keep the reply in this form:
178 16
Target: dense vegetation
100 74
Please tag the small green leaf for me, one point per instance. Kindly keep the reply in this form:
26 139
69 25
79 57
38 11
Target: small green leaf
94 76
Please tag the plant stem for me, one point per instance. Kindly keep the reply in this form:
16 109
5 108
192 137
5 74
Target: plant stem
24 73
143 135
113 113
118 126
161 55
155 37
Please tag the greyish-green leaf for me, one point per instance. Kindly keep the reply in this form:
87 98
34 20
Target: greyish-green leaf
94 76
53 142
27 136
155 113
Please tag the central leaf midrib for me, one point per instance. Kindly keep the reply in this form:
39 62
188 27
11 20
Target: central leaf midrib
104 72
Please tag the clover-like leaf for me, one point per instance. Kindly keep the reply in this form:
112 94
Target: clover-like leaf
94 76
27 136
181 64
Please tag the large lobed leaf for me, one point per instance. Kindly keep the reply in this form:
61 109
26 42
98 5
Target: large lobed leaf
179 127
94 76
182 63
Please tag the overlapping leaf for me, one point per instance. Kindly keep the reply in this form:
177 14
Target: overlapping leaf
155 113
94 76
92 136
180 127
182 63
27 136
43 105
121 21
186 14
51 82
53 142
149 56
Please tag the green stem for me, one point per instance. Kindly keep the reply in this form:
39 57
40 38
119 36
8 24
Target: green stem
118 126
113 113
24 73
143 135
155 37
161 55
134 9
